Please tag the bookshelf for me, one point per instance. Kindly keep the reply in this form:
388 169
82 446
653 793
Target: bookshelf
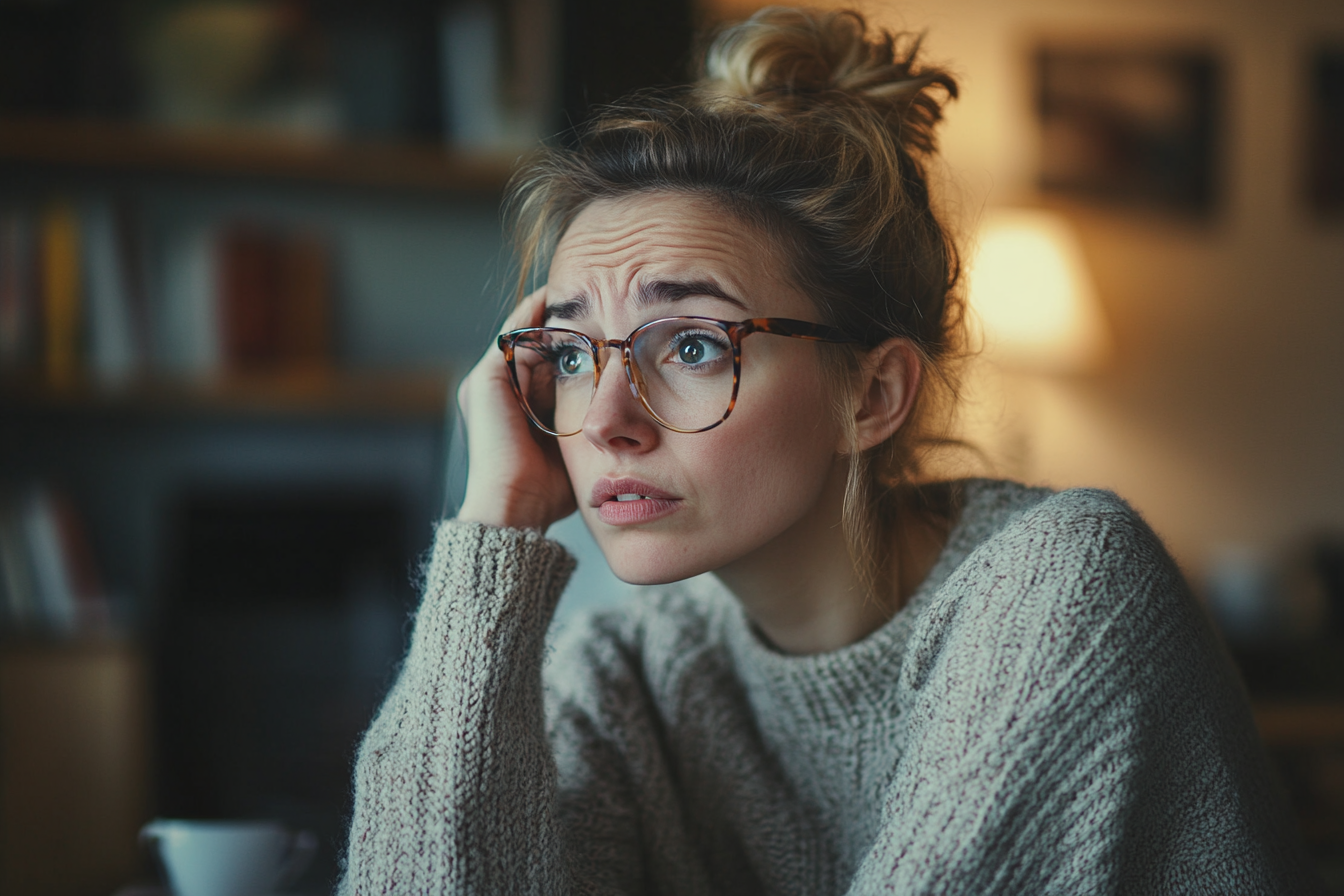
131 148
325 442
340 469
346 437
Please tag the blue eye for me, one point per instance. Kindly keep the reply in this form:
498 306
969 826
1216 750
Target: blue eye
692 351
571 361
693 348
567 359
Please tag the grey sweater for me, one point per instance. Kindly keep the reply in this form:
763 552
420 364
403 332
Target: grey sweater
1049 713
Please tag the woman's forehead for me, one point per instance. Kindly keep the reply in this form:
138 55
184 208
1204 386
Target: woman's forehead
660 243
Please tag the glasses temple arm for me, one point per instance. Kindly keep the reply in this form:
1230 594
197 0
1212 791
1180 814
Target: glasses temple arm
801 329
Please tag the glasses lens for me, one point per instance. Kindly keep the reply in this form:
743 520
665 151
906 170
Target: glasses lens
685 372
555 377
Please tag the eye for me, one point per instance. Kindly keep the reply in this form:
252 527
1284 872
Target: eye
695 348
565 359
692 351
571 360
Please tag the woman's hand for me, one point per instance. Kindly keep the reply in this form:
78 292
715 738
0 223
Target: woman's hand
515 476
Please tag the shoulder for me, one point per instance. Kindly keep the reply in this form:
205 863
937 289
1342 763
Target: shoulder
1056 576
995 511
1084 542
1061 542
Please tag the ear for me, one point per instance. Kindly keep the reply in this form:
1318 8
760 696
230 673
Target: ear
887 384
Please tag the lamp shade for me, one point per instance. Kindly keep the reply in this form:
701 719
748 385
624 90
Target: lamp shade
1032 295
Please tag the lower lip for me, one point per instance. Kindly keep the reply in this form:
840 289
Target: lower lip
629 513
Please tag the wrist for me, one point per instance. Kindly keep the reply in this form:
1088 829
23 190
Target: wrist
509 513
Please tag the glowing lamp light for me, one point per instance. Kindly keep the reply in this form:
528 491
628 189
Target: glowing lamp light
1032 296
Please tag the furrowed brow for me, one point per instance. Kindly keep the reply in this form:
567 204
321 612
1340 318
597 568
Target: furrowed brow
664 291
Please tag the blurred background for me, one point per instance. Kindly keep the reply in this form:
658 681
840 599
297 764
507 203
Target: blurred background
247 247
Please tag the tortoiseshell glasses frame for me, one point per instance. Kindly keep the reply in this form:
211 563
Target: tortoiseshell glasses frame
736 331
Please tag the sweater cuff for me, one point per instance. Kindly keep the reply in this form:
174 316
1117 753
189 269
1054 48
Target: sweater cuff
501 579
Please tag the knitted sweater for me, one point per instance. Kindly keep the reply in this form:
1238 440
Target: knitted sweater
1049 713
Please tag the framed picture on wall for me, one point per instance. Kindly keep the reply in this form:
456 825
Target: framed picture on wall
1325 133
1130 124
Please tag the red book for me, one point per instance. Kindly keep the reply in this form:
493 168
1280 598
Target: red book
86 585
306 303
275 299
249 274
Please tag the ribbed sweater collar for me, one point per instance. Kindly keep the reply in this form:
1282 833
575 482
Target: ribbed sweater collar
849 686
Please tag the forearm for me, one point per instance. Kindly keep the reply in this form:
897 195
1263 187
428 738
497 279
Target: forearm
454 783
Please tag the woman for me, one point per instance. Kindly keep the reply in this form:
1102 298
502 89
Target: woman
897 685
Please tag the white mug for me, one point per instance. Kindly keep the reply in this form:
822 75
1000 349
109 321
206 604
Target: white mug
229 858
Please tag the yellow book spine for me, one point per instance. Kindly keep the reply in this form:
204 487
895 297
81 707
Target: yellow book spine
61 283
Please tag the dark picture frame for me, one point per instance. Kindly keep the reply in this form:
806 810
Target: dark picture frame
1132 124
1325 133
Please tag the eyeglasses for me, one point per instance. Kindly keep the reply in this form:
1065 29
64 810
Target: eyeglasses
684 370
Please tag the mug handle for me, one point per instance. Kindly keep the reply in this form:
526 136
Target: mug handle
302 848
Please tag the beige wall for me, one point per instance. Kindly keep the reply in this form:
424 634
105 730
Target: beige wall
1222 416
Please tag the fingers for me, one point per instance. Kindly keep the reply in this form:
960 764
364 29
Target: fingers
491 375
531 312
515 476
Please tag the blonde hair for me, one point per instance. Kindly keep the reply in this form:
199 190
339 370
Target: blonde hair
813 127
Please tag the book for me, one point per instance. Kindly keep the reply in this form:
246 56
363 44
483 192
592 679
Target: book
248 281
275 298
92 608
18 299
470 72
113 355
54 589
20 612
61 299
49 578
187 339
306 292
132 248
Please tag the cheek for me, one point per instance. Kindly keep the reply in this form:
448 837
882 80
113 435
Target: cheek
777 446
577 456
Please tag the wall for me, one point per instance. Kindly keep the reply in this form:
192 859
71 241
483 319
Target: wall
1222 416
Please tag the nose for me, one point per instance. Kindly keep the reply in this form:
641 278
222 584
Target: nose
616 419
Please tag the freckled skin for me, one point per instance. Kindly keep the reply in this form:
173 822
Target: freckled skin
762 492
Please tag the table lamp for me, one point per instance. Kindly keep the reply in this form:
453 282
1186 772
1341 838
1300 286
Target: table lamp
1031 295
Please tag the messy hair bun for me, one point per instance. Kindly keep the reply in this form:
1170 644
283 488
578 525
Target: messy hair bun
814 128
786 58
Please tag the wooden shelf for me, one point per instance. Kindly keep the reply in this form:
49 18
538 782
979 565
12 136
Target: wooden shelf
136 148
414 395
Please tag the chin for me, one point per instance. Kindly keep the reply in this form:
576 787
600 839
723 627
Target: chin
647 558
637 568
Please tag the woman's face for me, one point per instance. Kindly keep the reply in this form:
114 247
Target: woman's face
712 498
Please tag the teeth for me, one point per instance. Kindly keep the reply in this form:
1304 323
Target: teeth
628 497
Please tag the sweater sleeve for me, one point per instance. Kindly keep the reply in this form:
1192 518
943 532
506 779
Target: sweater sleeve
1075 727
455 782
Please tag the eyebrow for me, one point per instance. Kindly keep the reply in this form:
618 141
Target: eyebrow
570 309
655 292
